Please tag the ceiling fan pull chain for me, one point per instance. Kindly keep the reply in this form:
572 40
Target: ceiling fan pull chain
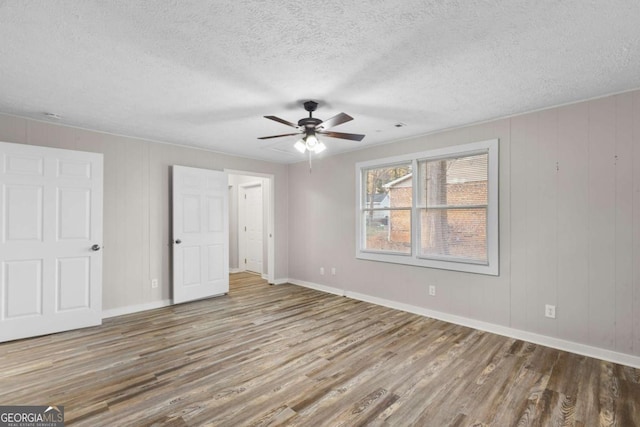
309 161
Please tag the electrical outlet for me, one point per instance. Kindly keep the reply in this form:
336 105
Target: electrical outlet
550 311
154 283
432 290
333 271
322 271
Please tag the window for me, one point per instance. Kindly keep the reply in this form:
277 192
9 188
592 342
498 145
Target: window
386 215
436 208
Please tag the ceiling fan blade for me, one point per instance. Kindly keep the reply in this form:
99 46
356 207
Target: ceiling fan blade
342 135
279 120
336 120
278 136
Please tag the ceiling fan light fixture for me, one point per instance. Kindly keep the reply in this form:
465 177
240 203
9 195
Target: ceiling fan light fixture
320 147
311 141
300 146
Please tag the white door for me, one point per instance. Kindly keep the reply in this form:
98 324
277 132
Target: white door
251 232
51 233
200 233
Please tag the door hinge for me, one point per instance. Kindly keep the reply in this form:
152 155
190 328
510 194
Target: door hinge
245 197
245 260
245 228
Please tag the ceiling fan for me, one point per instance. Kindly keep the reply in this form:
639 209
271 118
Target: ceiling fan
311 126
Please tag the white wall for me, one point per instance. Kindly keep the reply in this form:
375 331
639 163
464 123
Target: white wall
569 228
137 204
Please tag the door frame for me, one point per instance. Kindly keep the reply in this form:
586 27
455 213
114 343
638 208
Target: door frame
269 211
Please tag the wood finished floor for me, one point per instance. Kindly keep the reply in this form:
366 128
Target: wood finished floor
286 355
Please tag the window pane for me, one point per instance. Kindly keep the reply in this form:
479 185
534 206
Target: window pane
388 186
388 230
454 233
458 181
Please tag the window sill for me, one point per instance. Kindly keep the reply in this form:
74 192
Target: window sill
491 270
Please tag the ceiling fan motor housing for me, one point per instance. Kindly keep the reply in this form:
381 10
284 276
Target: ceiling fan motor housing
309 122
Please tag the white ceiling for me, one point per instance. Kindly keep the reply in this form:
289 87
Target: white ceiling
203 73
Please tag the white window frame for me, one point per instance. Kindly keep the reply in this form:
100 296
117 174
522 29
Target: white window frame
491 267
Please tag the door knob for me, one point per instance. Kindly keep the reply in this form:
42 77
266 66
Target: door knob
95 247
178 241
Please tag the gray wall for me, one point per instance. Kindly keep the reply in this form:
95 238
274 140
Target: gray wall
137 204
569 227
569 221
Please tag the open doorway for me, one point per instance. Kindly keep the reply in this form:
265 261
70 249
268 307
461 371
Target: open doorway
251 224
251 249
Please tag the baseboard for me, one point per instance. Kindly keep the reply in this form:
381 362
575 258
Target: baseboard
135 308
281 281
234 270
265 276
317 287
560 344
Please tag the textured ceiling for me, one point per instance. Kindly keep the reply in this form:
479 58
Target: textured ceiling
203 73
